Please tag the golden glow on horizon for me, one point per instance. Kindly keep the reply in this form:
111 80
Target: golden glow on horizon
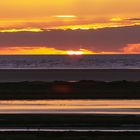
130 49
41 50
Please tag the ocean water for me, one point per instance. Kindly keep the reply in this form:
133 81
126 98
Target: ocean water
70 62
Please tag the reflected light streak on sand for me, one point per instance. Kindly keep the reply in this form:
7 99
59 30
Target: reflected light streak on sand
71 106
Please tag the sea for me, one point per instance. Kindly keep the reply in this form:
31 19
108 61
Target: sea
70 61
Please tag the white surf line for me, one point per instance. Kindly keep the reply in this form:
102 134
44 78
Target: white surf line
68 130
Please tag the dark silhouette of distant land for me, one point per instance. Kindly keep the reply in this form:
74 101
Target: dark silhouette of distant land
70 90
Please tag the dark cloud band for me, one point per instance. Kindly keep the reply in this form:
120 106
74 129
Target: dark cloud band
107 39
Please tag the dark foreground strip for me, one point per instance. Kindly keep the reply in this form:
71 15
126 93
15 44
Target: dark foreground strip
69 136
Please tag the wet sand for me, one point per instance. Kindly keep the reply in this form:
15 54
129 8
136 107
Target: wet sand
70 121
90 107
69 75
70 135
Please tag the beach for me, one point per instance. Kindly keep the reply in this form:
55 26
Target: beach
18 75
69 123
73 127
70 135
82 115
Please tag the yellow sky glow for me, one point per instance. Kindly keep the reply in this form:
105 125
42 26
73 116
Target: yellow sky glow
50 14
65 16
41 15
42 51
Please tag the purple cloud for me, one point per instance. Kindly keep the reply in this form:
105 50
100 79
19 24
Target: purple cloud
106 39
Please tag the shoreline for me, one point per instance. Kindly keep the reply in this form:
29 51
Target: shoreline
19 75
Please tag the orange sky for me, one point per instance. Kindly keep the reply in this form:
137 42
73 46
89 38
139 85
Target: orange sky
35 15
55 13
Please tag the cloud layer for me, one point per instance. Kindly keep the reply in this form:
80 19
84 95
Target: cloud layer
101 40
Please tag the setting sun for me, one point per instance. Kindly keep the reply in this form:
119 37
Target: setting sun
75 52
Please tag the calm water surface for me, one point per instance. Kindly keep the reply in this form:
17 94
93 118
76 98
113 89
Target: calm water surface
70 62
70 106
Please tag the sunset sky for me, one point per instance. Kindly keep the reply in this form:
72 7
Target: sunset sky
43 26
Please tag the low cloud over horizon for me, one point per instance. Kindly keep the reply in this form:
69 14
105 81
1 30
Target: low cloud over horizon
105 40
